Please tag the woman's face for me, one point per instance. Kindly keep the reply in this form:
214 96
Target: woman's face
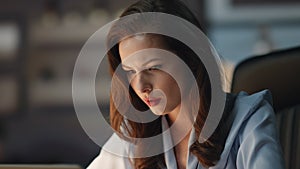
146 63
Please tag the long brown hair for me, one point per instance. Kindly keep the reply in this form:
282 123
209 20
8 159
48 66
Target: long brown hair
208 153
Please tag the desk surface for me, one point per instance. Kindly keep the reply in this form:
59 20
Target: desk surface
34 166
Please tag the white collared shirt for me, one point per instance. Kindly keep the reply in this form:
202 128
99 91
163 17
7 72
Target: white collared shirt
252 142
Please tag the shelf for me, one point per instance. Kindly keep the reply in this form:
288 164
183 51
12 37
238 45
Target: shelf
61 34
42 94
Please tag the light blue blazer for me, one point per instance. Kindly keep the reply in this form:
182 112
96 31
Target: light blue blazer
252 142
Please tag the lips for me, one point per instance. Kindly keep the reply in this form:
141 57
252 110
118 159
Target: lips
152 101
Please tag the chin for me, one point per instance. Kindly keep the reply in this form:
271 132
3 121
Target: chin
158 112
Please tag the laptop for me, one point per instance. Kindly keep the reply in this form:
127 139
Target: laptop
38 166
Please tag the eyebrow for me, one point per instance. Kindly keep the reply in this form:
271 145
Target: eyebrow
149 61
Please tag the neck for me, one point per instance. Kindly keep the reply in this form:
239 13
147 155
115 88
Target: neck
180 119
180 127
181 153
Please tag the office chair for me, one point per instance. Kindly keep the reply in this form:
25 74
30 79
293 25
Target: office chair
279 72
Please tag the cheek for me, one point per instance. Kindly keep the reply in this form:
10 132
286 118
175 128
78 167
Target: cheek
132 82
170 86
134 88
176 90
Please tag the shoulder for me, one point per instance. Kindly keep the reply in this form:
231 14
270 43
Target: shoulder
252 111
256 135
107 160
254 101
252 140
110 158
249 112
252 108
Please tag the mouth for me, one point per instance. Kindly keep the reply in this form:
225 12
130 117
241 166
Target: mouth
153 101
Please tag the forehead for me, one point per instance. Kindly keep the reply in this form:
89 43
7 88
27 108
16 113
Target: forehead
139 42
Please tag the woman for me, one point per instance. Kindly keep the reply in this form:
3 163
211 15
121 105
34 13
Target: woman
245 137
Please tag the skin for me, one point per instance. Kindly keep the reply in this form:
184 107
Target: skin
147 73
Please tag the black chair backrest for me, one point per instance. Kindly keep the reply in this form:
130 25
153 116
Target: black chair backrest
277 71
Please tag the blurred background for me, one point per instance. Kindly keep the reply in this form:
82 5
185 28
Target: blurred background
41 39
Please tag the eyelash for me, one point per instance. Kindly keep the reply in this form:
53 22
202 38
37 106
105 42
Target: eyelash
153 68
156 67
129 71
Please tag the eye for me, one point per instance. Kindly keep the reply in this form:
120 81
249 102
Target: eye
129 72
156 67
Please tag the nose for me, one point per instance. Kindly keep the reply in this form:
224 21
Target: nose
142 83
